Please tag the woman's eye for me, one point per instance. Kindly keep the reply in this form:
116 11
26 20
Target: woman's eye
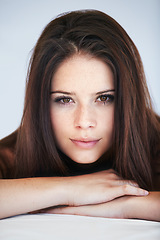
63 100
105 98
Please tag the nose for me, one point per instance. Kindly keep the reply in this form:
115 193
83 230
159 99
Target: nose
85 118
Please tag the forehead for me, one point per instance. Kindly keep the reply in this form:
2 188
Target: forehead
83 73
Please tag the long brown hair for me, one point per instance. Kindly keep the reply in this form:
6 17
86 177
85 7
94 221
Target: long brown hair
136 125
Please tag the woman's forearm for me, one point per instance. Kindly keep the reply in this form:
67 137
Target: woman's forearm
18 196
147 207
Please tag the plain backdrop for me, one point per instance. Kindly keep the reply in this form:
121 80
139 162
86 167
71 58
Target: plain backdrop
22 21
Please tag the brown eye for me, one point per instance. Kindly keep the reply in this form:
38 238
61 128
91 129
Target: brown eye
103 98
107 98
66 100
63 100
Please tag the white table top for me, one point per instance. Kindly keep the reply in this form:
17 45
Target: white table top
49 226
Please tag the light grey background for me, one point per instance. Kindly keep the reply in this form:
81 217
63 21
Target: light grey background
22 21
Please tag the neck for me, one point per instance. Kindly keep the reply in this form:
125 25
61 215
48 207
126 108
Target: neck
103 163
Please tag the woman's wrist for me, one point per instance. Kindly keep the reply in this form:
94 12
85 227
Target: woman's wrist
144 207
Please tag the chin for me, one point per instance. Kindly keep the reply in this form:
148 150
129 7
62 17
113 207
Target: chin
85 161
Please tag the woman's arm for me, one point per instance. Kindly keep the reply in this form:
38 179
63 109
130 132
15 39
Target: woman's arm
147 207
18 196
129 207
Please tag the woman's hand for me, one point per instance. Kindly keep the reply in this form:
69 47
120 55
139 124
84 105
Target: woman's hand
32 194
98 188
128 207
93 191
116 208
146 207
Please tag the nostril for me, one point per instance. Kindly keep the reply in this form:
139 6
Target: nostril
85 118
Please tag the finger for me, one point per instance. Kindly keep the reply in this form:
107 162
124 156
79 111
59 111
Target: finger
125 182
98 210
128 189
113 175
82 210
61 210
123 190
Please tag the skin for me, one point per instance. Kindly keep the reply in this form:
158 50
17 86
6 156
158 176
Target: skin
89 116
84 139
128 207
83 93
34 194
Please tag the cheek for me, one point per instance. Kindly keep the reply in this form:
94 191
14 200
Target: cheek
60 123
108 129
106 120
55 122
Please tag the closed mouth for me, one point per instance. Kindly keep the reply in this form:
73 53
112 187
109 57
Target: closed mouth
87 144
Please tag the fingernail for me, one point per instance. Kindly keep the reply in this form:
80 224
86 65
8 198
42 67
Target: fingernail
145 192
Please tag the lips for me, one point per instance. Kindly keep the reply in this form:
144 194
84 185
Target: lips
86 144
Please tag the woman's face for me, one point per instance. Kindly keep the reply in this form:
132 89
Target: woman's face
82 108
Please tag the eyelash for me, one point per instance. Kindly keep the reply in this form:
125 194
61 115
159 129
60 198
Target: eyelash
109 98
60 100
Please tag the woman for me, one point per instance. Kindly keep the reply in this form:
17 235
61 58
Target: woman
89 141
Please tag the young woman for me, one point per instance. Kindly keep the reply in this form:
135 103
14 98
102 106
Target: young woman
89 141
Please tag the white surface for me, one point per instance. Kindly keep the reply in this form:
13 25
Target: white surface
21 23
68 227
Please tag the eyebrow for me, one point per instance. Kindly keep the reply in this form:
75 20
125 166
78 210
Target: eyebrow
72 93
64 92
109 90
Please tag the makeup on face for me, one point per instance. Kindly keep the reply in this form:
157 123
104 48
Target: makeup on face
82 108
